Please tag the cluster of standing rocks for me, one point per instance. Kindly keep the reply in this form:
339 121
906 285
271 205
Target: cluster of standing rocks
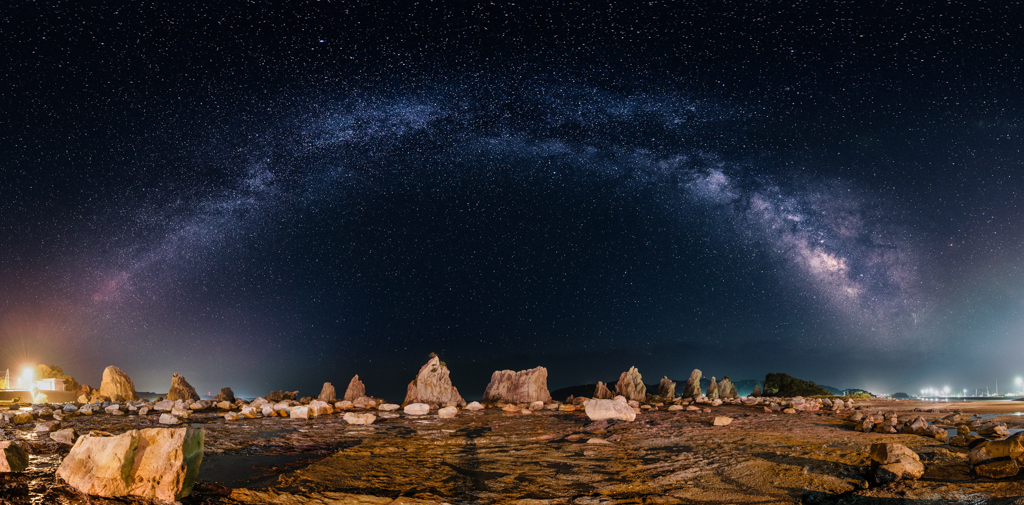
163 462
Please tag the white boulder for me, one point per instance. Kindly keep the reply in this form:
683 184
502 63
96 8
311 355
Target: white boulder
609 409
160 463
354 418
168 419
417 409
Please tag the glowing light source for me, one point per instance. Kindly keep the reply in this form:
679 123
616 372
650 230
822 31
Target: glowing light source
28 376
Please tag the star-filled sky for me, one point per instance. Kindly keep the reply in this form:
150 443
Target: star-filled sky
271 197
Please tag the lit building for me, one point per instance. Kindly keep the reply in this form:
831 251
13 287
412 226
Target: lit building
50 385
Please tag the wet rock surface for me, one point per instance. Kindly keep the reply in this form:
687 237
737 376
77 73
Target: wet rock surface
552 456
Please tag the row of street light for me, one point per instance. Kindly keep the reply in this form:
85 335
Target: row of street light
945 391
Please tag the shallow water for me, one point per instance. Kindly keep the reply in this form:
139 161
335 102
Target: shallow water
251 471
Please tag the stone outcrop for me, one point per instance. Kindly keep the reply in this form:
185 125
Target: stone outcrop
997 459
598 410
601 392
726 389
525 386
12 457
225 395
712 392
327 393
117 384
757 391
159 463
433 385
893 462
666 388
631 385
692 389
181 390
355 389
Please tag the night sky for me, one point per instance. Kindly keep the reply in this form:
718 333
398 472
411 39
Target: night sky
270 197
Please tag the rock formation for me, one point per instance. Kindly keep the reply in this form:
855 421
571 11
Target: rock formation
598 410
225 395
757 391
433 386
601 392
525 386
356 389
12 457
181 390
631 385
692 389
327 393
997 459
666 388
726 389
712 392
893 462
116 382
152 463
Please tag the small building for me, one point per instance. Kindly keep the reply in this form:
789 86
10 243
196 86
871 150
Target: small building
50 384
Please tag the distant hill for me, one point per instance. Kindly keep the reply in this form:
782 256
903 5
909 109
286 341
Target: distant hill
834 391
784 385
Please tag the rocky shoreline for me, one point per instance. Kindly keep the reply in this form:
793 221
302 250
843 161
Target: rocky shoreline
503 455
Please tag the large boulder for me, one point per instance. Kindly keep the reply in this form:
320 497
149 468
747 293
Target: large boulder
327 393
432 385
997 459
525 386
117 383
893 462
757 391
993 430
692 389
12 457
666 388
160 463
726 389
631 385
598 410
225 395
182 390
601 392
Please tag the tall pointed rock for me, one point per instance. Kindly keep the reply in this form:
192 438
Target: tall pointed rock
631 385
433 385
692 389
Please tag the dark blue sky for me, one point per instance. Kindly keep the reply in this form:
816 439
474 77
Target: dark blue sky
269 198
